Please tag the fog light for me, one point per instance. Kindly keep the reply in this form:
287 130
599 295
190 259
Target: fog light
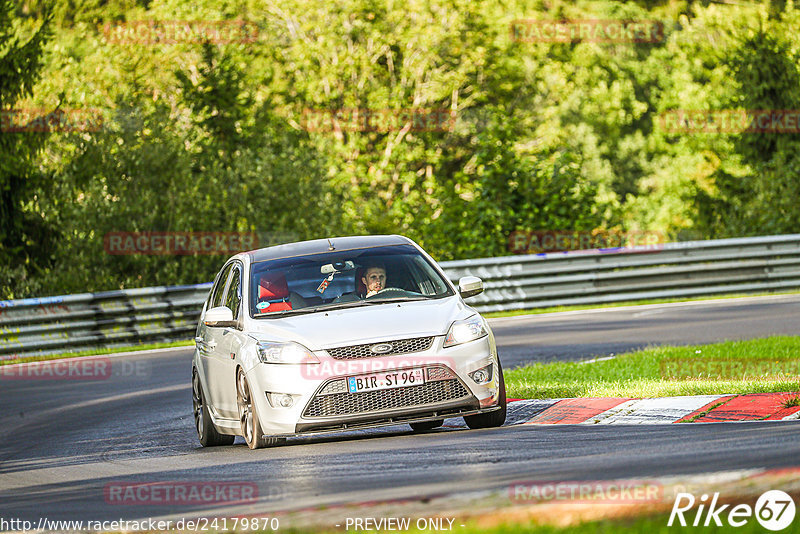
280 400
482 375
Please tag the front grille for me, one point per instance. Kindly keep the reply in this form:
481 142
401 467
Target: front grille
439 373
339 404
402 346
333 387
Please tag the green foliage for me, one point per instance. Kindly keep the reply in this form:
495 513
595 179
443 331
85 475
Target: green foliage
25 234
209 165
762 199
544 135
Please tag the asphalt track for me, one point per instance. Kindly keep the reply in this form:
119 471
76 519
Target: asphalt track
577 335
64 442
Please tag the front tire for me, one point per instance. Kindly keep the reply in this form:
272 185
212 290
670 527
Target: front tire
209 437
248 417
495 418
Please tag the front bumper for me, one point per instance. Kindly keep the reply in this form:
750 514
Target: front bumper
378 420
322 405
333 406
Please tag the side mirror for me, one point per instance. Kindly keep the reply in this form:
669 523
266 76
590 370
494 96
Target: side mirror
469 286
220 317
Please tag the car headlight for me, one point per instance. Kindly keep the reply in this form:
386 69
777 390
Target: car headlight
466 330
285 353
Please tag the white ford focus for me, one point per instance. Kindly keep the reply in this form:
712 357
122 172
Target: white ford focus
337 334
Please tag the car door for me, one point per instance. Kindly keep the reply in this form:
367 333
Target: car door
222 364
206 337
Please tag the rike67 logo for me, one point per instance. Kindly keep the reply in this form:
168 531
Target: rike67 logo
774 510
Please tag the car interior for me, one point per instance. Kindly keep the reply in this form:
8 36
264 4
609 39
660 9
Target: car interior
274 294
293 288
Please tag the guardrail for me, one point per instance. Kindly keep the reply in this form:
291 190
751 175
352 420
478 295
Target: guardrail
99 320
673 270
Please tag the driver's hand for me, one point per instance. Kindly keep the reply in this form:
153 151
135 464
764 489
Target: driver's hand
370 293
375 286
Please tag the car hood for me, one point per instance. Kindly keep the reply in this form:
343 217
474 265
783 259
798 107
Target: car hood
354 326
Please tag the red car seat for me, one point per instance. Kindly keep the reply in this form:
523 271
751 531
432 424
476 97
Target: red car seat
272 288
361 289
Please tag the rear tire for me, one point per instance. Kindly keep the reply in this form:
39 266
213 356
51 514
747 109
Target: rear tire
248 417
209 437
495 418
426 425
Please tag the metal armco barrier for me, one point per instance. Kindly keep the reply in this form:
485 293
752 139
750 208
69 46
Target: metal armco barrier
673 270
99 320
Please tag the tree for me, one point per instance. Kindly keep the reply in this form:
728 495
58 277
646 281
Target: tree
26 235
763 201
202 159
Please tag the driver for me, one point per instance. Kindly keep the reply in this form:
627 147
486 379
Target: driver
374 278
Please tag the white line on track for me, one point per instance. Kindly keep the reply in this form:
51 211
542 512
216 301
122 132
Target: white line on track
145 352
733 301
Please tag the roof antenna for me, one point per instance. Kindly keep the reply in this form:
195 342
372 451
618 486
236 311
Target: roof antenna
331 247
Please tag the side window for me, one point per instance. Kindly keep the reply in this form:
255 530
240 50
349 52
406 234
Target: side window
215 298
234 296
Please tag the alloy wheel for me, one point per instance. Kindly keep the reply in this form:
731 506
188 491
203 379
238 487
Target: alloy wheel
197 402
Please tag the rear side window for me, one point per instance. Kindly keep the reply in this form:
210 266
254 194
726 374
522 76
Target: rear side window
215 299
234 296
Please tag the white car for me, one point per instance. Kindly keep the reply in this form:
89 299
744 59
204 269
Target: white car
338 334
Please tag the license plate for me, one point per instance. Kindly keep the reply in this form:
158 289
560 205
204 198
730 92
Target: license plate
388 380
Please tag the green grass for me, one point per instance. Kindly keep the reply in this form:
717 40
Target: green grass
93 352
792 402
698 415
654 524
536 311
761 365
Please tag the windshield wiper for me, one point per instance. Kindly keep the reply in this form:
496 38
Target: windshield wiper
395 299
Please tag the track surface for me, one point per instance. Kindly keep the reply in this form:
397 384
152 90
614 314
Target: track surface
64 441
579 335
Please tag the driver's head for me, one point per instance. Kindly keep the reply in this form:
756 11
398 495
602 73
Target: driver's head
374 277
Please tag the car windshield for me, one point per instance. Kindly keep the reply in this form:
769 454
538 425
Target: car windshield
350 278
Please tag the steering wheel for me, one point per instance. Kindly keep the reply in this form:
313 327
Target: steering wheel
389 291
